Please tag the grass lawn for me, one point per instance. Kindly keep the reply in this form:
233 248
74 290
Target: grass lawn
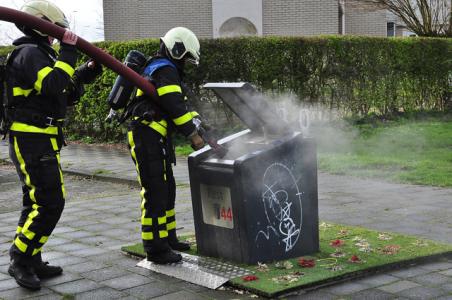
410 151
416 150
346 252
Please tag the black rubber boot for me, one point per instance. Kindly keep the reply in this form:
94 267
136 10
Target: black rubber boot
179 246
25 275
175 244
166 257
44 270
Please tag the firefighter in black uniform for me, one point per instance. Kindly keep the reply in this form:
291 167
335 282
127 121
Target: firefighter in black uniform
40 86
150 144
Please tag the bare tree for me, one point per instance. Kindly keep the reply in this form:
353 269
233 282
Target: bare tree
423 17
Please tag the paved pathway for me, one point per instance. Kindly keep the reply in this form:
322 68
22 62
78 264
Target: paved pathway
102 216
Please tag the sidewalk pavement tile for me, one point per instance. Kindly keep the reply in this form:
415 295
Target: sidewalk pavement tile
126 282
377 280
447 287
152 290
53 296
371 294
67 260
78 286
7 284
105 273
346 288
21 293
181 295
442 265
421 293
398 286
64 278
431 279
102 293
85 267
410 272
447 272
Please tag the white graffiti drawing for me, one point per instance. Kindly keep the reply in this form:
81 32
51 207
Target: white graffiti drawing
282 206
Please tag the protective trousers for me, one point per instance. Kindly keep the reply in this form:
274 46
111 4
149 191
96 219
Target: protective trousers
158 188
37 161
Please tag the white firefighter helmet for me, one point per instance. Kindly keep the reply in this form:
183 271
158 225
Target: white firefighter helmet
45 10
182 42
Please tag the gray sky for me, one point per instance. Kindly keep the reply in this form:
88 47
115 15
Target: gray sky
85 17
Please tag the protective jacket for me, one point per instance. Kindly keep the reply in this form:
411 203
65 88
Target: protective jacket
153 154
171 109
38 84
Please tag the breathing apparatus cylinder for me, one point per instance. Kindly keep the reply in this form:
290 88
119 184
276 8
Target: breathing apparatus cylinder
123 88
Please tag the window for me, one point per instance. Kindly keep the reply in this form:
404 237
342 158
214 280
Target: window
390 29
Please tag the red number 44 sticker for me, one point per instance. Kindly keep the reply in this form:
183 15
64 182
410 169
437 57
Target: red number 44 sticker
226 214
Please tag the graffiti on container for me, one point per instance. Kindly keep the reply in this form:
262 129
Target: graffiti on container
282 205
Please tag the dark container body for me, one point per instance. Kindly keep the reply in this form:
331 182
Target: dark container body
258 203
259 207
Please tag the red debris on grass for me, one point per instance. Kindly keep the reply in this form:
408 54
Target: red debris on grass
306 263
354 259
337 243
250 278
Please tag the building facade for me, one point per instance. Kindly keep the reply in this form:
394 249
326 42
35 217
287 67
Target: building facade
138 19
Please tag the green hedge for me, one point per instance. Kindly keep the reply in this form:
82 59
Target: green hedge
355 75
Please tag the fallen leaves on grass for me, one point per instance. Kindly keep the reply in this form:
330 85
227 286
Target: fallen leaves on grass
384 236
325 225
284 265
337 254
288 279
262 267
420 243
343 232
337 243
306 263
250 278
354 259
390 250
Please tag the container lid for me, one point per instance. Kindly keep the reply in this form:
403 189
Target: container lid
250 106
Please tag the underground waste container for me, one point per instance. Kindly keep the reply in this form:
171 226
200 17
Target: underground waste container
259 203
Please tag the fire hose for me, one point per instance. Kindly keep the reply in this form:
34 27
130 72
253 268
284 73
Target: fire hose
97 54
100 56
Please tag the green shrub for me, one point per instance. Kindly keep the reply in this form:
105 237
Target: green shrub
357 76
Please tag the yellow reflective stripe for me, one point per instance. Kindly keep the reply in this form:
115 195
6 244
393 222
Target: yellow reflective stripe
22 127
163 233
65 67
183 119
43 239
24 170
147 236
57 149
169 89
164 170
25 231
134 156
162 220
20 245
160 127
139 93
41 75
36 251
170 213
17 91
19 229
171 226
146 221
194 114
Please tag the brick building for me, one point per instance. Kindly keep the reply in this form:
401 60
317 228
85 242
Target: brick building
137 19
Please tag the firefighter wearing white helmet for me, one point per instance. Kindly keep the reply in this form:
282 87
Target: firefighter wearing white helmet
150 143
45 10
40 86
182 43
